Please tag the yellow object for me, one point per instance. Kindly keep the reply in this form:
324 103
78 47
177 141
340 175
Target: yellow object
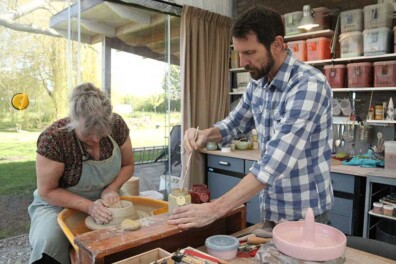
20 101
72 222
130 225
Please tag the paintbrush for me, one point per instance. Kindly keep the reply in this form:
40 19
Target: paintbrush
188 161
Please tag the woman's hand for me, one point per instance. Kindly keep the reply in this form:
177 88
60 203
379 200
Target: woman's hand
99 212
110 197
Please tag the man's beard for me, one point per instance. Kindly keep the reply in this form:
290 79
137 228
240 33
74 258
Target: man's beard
258 73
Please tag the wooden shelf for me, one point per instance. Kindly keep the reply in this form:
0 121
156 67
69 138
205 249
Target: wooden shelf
375 58
236 93
237 70
308 35
364 89
382 216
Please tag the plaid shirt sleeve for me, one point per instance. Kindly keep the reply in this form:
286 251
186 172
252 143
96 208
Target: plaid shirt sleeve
304 108
240 120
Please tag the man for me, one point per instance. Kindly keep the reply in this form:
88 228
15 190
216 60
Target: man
289 104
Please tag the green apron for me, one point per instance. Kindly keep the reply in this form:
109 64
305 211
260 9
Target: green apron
45 234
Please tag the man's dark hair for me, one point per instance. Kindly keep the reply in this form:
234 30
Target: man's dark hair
265 22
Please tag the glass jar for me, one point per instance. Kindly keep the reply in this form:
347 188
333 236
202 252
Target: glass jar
211 146
178 197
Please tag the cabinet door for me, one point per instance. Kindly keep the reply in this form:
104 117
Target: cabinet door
252 206
342 223
219 184
343 182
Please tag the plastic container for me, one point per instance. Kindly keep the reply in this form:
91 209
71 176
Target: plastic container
378 15
377 41
318 49
360 74
321 15
377 208
298 49
384 73
335 75
394 39
386 231
222 246
393 2
388 210
351 20
351 44
292 20
390 155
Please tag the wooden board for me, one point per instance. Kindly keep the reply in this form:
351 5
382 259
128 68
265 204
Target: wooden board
112 244
151 256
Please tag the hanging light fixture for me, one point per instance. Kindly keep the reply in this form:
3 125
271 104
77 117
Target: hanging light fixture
307 22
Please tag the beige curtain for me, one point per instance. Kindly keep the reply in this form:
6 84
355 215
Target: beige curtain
205 41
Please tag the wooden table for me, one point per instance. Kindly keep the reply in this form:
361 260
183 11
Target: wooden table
112 244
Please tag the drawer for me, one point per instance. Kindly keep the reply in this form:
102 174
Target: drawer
248 165
342 207
226 163
219 184
342 223
343 182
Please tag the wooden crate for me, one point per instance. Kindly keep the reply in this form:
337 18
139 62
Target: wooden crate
157 254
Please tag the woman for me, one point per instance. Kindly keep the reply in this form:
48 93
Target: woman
82 162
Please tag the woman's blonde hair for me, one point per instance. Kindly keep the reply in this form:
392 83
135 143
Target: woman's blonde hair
90 111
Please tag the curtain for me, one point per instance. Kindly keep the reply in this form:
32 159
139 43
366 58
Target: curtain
204 45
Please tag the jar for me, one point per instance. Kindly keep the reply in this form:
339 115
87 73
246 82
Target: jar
211 146
377 208
388 210
254 135
178 197
379 112
199 194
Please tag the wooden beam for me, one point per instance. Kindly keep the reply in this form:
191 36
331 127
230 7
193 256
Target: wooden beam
130 13
97 27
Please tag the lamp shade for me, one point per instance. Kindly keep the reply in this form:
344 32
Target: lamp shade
307 22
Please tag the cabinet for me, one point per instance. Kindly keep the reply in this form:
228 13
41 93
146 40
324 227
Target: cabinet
223 173
376 188
347 212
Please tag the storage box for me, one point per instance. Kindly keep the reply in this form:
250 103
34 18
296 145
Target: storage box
318 49
351 20
351 44
298 49
153 256
321 15
384 73
360 74
394 39
390 155
377 41
292 20
379 15
335 75
393 2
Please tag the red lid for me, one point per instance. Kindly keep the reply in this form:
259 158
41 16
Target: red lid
384 63
336 66
360 64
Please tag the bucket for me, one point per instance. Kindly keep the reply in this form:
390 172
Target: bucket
386 232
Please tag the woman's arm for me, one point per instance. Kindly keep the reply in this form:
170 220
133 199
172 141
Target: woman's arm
48 174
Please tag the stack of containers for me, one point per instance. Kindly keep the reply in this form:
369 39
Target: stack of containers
292 20
351 38
377 29
298 49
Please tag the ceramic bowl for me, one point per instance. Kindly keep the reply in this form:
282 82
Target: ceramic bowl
242 145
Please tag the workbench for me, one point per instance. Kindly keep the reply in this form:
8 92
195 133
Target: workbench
112 244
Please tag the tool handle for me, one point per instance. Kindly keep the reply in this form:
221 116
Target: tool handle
257 240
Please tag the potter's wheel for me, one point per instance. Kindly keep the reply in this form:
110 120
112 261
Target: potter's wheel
307 240
141 210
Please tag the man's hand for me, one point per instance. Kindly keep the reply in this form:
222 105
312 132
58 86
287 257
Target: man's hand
193 215
110 197
191 143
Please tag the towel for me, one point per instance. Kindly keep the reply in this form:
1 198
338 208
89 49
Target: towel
364 162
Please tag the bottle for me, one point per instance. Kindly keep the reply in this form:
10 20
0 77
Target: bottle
254 135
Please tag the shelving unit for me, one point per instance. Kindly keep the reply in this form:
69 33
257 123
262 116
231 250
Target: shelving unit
308 35
376 187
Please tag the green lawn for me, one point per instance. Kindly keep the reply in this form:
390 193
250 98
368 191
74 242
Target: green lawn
18 152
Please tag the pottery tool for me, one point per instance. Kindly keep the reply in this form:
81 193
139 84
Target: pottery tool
188 161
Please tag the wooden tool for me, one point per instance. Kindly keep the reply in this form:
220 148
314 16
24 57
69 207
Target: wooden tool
188 162
257 240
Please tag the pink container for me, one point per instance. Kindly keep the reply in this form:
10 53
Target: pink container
335 75
384 73
377 208
360 74
318 49
298 49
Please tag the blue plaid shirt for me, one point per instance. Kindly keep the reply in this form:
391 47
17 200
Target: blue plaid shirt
293 118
